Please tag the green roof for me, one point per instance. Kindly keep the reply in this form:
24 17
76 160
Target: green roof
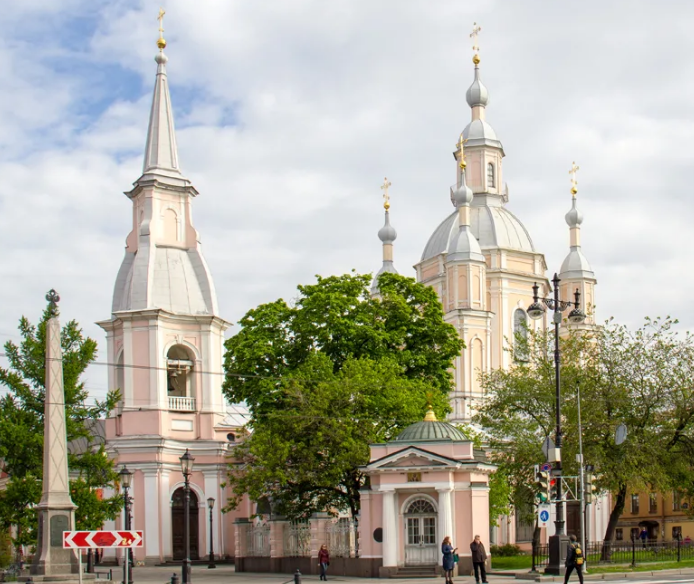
431 431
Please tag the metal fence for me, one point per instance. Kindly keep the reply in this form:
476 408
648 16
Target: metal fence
258 542
297 540
342 538
626 552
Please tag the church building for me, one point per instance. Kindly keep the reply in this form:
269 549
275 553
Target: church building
165 345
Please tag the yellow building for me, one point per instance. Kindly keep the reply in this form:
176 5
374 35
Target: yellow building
664 516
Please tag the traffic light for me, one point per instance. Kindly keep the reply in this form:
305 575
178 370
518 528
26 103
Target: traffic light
553 484
542 486
589 488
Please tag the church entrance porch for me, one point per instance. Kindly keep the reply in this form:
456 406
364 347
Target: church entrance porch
178 525
420 534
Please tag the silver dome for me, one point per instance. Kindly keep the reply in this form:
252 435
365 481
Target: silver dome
493 226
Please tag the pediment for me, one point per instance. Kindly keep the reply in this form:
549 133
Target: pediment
412 457
413 460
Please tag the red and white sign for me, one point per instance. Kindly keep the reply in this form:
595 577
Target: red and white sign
102 539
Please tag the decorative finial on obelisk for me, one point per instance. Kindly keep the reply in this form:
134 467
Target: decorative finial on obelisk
386 196
53 300
161 43
574 182
475 45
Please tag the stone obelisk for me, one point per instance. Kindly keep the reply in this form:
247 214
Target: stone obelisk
56 509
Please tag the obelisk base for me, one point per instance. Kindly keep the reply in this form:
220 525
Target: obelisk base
51 559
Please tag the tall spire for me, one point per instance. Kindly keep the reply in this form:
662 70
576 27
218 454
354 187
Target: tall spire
575 265
477 95
387 235
161 152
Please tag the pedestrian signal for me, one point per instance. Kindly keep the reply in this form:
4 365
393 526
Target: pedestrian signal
542 486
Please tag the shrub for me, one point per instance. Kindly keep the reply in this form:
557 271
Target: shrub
506 550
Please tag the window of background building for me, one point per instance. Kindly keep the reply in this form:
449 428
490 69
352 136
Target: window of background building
635 532
619 534
520 335
652 503
676 501
676 531
634 503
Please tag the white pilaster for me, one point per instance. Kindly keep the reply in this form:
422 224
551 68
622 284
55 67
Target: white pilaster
151 514
445 514
165 515
212 490
390 530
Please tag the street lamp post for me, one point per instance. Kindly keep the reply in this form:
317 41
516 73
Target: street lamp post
210 504
536 310
126 478
187 470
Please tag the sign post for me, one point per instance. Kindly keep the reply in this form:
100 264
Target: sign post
543 512
102 539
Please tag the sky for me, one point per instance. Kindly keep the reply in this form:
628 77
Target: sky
289 114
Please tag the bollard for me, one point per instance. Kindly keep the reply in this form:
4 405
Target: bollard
297 577
175 579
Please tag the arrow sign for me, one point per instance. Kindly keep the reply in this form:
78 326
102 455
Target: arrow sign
102 539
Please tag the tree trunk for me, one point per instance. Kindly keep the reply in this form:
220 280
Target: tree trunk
616 513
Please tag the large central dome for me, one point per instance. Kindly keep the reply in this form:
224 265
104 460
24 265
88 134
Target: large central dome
493 226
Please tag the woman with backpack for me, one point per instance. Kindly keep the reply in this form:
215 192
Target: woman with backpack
574 560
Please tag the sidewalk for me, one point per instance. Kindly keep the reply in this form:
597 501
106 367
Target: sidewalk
224 573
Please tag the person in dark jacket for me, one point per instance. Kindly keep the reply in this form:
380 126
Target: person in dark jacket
574 560
323 562
479 557
448 552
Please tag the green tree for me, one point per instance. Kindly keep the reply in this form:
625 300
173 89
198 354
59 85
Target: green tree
326 376
629 377
22 418
306 456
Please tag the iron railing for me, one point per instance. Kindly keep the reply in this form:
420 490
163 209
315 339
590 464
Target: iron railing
630 552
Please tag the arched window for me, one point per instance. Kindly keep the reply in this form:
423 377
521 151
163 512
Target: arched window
520 335
420 506
179 367
491 179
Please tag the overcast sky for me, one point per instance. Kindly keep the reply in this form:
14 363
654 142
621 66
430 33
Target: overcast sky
289 113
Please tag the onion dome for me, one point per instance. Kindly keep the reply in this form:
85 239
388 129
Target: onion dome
387 233
477 94
574 217
462 195
431 430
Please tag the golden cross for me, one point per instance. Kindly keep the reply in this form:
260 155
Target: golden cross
574 182
160 18
386 196
460 145
473 35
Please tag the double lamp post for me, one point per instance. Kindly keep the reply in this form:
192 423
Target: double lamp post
536 310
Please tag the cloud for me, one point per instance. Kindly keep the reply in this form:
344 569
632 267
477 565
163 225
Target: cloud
289 115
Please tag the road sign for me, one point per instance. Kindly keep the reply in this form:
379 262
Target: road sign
546 467
543 515
620 434
102 539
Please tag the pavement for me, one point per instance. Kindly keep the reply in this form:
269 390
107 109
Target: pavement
224 573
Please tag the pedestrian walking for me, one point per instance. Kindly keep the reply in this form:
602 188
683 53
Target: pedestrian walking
479 557
323 562
448 552
574 560
643 536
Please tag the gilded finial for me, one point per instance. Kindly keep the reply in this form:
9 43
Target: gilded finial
161 43
461 147
430 415
574 182
475 46
386 196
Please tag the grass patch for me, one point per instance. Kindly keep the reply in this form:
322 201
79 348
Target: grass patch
646 567
525 562
512 562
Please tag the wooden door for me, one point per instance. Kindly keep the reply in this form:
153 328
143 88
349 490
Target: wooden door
178 525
